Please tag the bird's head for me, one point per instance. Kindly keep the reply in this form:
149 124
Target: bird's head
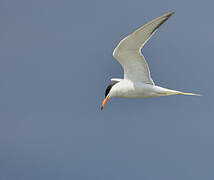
108 94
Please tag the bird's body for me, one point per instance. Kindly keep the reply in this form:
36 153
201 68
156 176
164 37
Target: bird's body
130 89
137 82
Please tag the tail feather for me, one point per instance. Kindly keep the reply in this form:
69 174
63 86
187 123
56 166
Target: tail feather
173 92
168 92
190 94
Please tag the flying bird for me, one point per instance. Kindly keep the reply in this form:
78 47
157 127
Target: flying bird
137 82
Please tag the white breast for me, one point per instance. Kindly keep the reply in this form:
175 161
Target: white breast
129 89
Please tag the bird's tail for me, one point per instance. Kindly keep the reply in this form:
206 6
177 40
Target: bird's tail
167 92
190 94
172 92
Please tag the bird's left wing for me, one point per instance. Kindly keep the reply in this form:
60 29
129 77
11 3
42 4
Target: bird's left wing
128 51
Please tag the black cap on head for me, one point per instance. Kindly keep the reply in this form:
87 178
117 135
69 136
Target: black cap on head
109 88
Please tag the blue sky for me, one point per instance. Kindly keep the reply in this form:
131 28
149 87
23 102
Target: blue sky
55 63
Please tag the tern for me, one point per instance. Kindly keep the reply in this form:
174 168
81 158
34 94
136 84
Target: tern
137 82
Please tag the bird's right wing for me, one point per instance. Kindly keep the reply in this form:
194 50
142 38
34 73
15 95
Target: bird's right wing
128 51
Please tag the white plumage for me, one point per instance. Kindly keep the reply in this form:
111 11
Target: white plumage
137 82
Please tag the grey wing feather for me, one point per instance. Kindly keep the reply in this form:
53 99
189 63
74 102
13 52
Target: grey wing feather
128 51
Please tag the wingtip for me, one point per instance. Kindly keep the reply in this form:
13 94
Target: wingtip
170 14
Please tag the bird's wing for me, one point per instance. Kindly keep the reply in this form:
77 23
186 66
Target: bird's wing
128 51
116 79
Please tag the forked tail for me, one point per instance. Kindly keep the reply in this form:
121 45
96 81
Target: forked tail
167 92
190 94
172 92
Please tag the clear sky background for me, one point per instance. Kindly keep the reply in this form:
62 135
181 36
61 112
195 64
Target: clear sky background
55 64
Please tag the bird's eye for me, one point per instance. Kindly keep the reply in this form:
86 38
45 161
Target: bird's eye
109 88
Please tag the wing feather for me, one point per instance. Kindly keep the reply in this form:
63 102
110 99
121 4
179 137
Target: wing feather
128 51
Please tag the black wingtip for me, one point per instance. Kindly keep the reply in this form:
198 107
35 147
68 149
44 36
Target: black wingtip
101 108
170 14
166 17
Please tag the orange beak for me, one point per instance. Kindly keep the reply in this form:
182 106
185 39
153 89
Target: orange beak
104 102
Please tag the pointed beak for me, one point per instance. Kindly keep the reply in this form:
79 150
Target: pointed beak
104 102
